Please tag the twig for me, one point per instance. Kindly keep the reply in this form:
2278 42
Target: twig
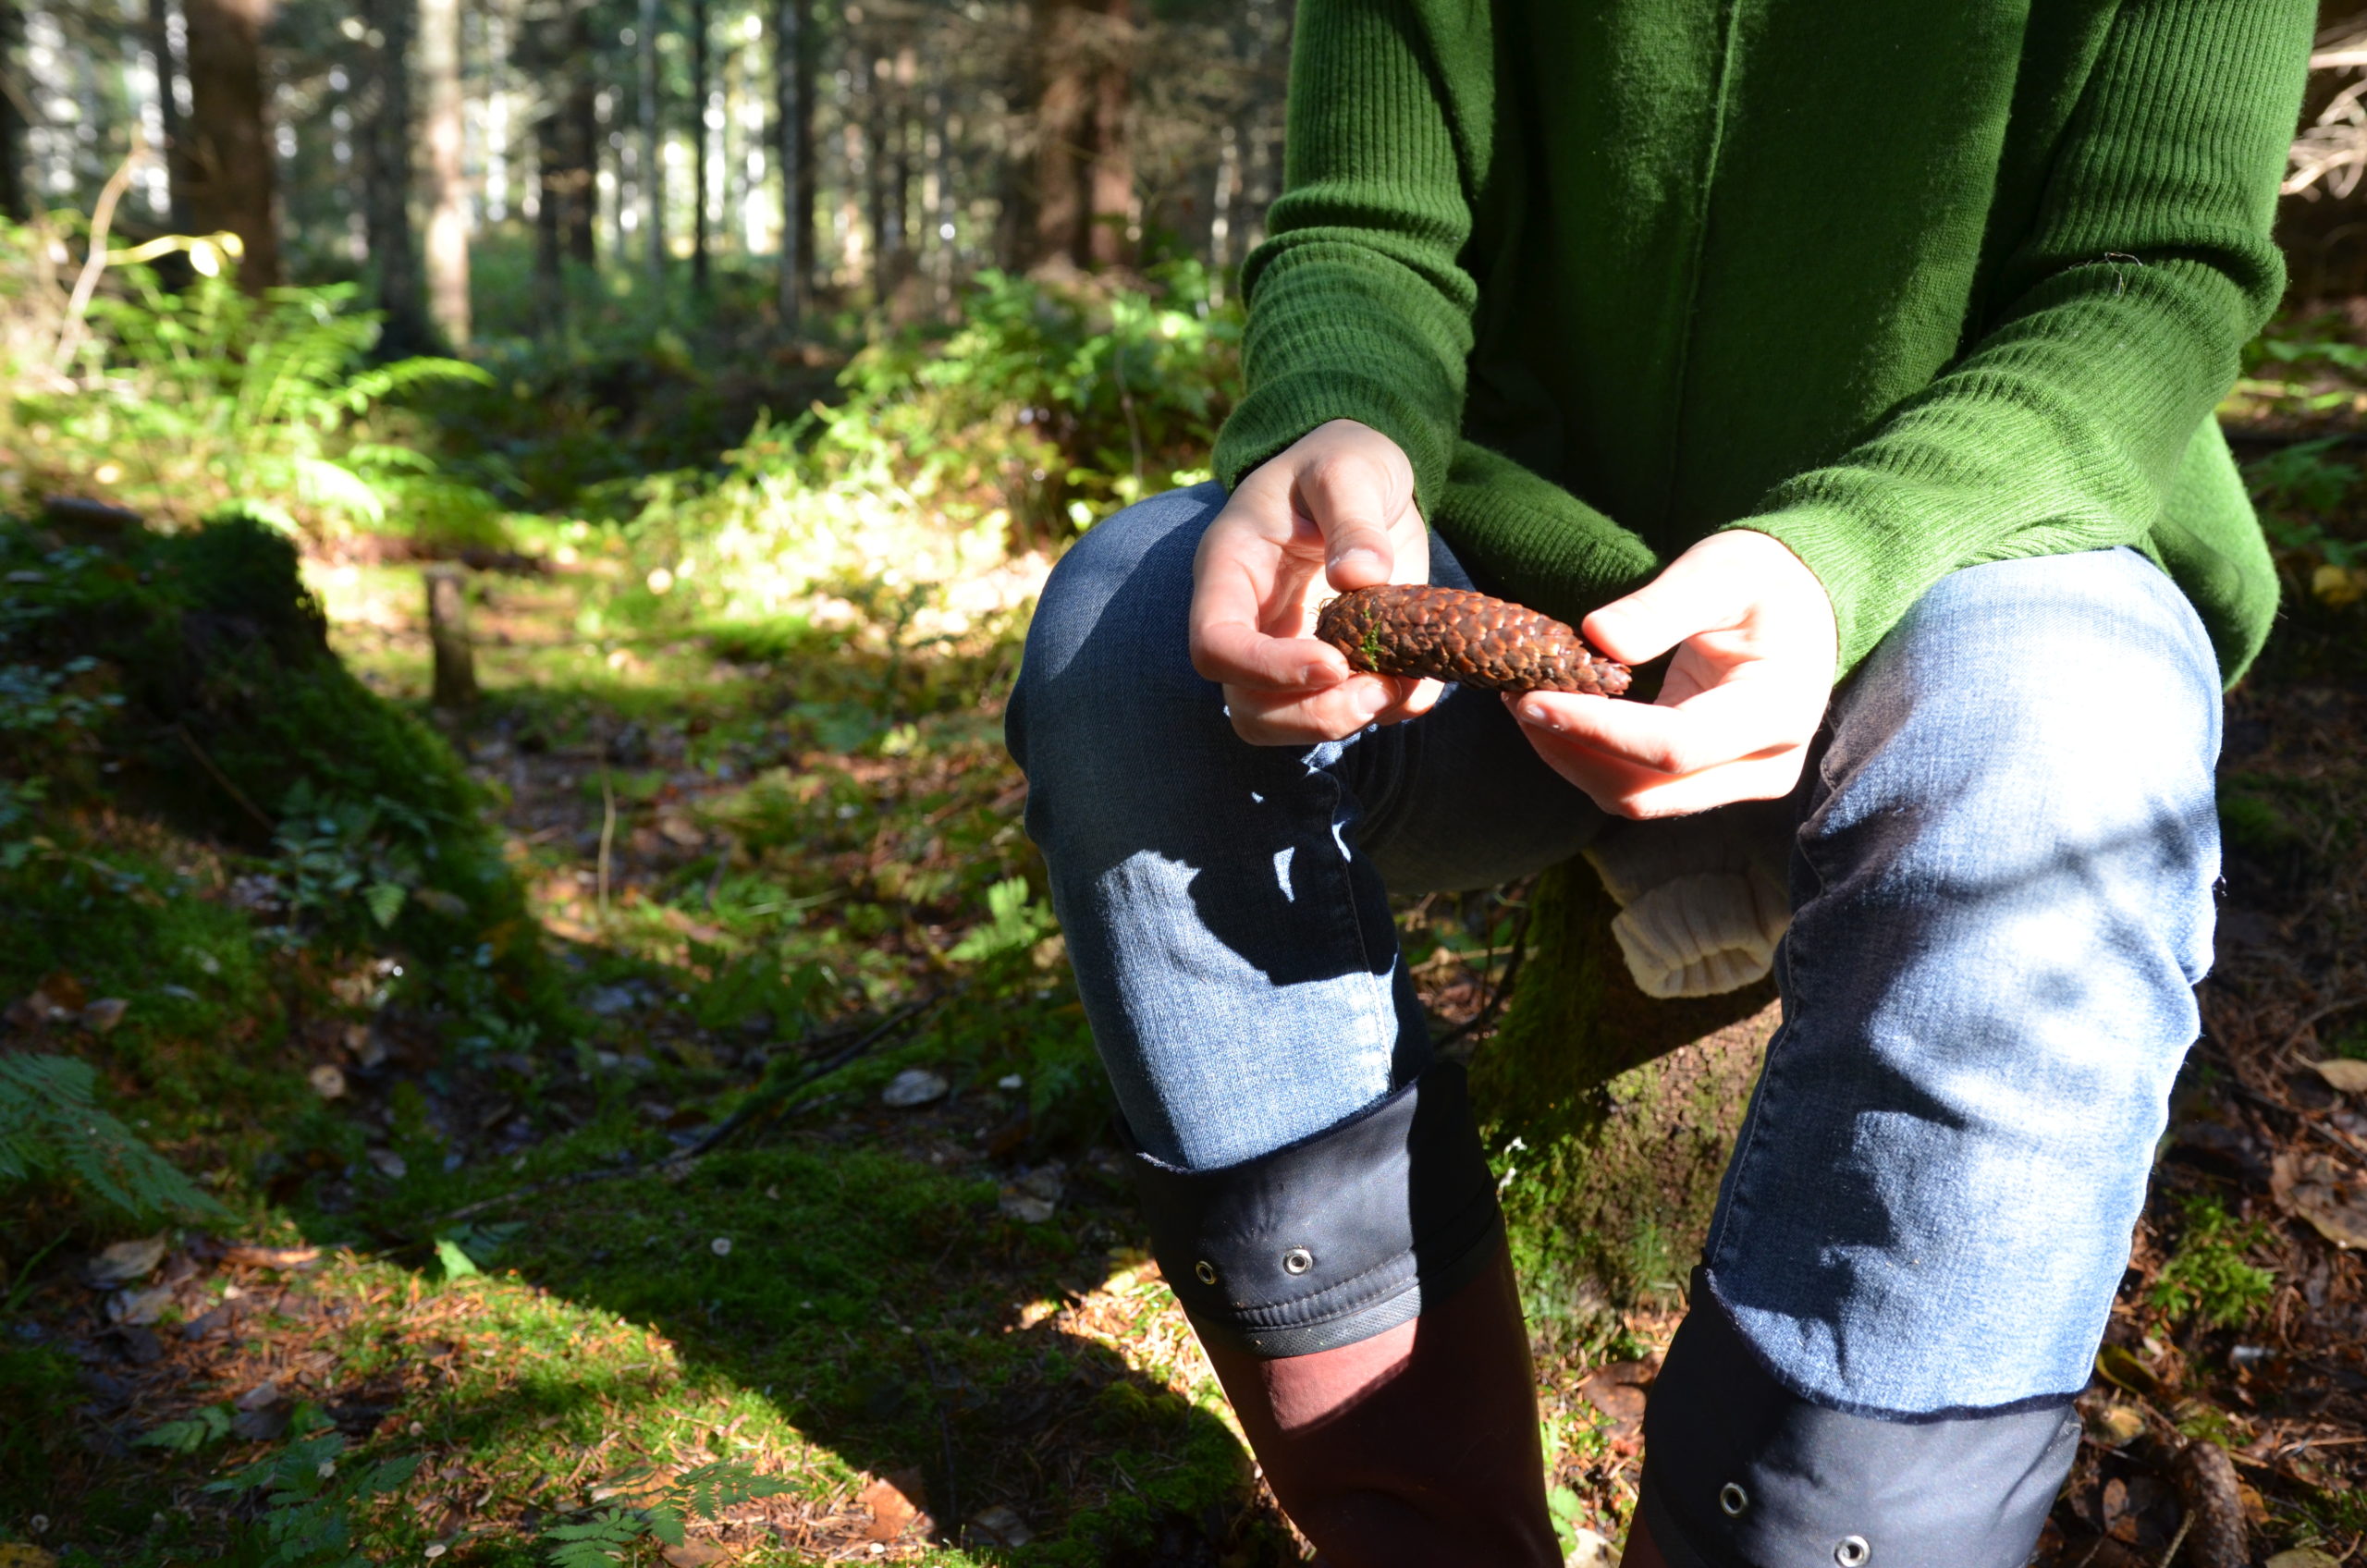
759 1100
1501 994
608 834
2186 1522
2342 1005
2303 1116
762 1100
69 331
949 1522
223 779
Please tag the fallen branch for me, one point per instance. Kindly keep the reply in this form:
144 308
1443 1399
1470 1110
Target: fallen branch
765 1096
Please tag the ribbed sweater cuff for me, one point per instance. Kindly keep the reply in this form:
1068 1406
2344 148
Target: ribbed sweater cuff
1868 573
1280 410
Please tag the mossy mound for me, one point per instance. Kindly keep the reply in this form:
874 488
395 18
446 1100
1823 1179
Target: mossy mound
1609 1115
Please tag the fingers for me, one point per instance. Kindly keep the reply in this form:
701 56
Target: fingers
1694 594
1738 720
1276 718
1624 788
1352 499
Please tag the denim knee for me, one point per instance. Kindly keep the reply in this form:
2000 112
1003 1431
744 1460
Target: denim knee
1105 678
2001 897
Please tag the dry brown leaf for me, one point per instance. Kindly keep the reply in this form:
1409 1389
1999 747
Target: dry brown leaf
2346 1073
694 1554
895 1501
103 1015
272 1257
2330 1197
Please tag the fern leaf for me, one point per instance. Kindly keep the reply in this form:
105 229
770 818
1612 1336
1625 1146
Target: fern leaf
51 1125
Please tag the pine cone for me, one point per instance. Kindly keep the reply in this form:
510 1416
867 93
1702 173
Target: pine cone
1454 634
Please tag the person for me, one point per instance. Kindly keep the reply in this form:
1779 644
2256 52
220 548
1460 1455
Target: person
1861 359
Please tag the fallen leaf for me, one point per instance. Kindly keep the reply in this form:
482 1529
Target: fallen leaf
892 1507
2119 1365
452 906
1590 1551
2114 1425
2300 1557
389 1164
139 1306
2346 1073
103 1015
261 1395
16 1554
124 1262
694 1554
1004 1524
327 1080
1024 1206
2313 1188
272 1257
63 992
914 1085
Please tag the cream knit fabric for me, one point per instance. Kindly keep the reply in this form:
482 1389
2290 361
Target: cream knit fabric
1702 898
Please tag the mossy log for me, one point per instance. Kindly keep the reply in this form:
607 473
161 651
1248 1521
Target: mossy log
1609 1114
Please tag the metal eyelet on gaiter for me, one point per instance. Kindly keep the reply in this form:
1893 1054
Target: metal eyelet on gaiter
1205 1271
1852 1553
1298 1260
1732 1500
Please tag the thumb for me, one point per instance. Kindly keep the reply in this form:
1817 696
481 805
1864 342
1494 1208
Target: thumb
1695 592
1352 500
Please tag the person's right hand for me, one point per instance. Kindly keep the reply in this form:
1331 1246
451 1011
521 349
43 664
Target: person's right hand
1333 512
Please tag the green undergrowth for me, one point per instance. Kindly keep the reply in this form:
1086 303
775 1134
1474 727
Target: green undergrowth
209 830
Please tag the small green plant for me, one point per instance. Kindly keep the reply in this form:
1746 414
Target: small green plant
2303 477
2207 1276
1015 920
177 402
206 1424
307 1501
52 1127
630 1532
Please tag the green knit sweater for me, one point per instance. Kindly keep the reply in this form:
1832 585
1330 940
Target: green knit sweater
1908 286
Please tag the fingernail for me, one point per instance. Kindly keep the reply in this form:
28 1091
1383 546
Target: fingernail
1357 558
1372 699
1538 715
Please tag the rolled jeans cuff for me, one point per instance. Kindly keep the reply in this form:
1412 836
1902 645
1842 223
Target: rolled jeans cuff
1337 1237
1744 1472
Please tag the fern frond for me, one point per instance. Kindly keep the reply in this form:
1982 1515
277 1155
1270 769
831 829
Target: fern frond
51 1125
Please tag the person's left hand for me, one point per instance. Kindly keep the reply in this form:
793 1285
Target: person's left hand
1742 700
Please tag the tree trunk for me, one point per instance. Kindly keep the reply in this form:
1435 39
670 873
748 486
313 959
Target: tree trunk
448 637
792 114
1085 173
1611 1115
652 151
386 137
229 175
158 35
701 96
448 219
14 205
559 51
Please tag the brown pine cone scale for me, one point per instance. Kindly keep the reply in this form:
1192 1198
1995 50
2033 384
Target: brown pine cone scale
1454 634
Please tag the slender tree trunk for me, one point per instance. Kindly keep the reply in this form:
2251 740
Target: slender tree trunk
804 163
1085 173
582 119
448 219
14 205
702 96
158 31
790 119
386 137
230 175
653 152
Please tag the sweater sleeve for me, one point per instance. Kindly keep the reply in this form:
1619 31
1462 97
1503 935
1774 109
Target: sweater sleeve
1361 305
2115 333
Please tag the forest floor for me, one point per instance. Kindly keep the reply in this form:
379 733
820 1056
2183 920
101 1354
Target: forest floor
912 1290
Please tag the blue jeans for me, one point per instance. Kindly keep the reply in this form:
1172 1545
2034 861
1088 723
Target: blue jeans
2001 879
